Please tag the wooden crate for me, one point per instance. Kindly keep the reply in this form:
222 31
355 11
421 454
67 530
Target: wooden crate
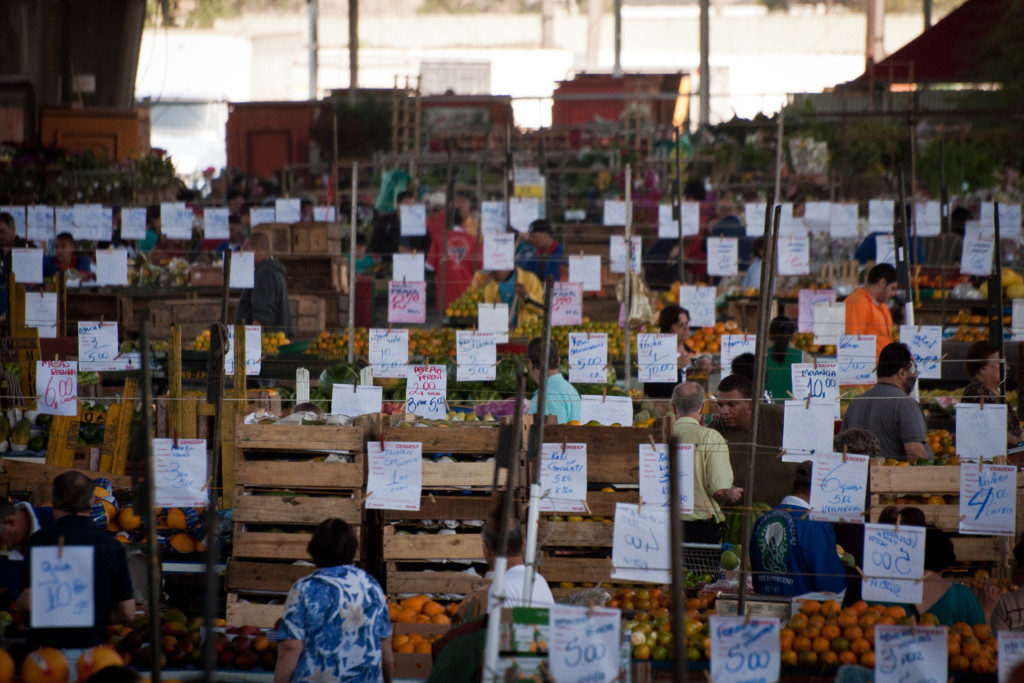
316 239
280 236
309 314
191 315
416 666
402 549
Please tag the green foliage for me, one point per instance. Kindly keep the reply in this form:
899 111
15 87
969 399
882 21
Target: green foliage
364 126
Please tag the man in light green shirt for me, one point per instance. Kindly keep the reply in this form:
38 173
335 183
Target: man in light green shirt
712 471
561 398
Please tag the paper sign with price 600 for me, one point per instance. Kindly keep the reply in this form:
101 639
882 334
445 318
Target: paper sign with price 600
62 587
181 472
57 387
744 649
584 644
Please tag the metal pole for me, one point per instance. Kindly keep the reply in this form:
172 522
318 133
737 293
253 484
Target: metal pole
679 205
595 8
314 47
760 352
509 179
779 156
627 359
353 49
677 540
449 220
352 263
927 14
547 24
153 548
704 114
617 7
214 395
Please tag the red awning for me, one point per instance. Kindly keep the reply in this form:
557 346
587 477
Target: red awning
951 51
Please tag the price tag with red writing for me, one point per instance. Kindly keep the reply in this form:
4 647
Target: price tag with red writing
426 390
407 302
567 304
57 387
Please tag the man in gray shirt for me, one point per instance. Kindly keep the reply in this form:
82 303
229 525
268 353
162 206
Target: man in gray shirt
887 411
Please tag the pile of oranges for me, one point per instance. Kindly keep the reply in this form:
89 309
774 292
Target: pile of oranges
420 609
942 443
412 643
709 339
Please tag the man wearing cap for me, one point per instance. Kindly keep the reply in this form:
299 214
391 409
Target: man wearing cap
791 554
540 253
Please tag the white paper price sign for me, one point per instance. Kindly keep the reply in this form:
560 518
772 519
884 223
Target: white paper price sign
1009 218
817 381
733 345
723 256
1011 653
27 265
426 391
260 215
388 352
62 586
584 643
885 248
41 313
617 253
806 299
353 400
988 499
904 654
807 429
563 477
181 472
668 225
476 354
499 251
838 487
567 304
843 221
753 218
88 222
607 410
925 343
243 270
654 475
893 563
97 346
657 356
615 212
133 223
855 361
794 254
215 223
493 217
980 431
927 218
493 318
64 220
287 210
324 214
39 224
700 302
978 247
412 220
57 387
112 267
176 220
407 302
640 543
395 475
1017 319
829 322
522 212
881 214
817 215
408 268
744 650
588 357
586 271
253 350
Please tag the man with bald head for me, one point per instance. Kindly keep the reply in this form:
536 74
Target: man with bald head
266 303
712 472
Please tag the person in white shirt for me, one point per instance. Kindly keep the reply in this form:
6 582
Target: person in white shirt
515 570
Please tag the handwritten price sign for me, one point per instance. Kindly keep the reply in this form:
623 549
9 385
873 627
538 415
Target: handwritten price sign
656 357
893 563
426 391
980 431
584 643
563 477
838 487
253 350
407 302
389 352
97 346
794 254
925 342
744 650
476 355
62 587
640 543
499 251
181 472
567 304
856 359
395 479
588 357
1011 653
988 499
723 256
979 244
817 381
806 299
607 410
807 429
910 655
654 475
57 387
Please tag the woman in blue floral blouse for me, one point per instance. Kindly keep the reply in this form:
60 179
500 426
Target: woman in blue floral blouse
335 625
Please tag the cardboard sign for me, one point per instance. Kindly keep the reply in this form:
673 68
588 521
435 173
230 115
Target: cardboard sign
353 400
988 499
1011 653
493 217
855 361
253 350
112 267
617 253
499 251
493 318
615 212
584 643
57 387
657 357
407 302
181 472
586 270
39 225
980 431
744 649
388 352
216 223
608 410
62 582
881 214
839 487
806 300
843 221
893 563
904 653
807 429
242 274
817 381
733 345
408 268
654 475
97 346
476 355
723 256
41 313
794 254
567 304
394 479
412 220
288 210
588 357
700 302
925 342
176 220
640 543
978 248
426 391
133 223
563 477
27 265
668 224
829 322
522 212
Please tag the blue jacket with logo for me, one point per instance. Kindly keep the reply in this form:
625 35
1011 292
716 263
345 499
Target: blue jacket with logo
791 555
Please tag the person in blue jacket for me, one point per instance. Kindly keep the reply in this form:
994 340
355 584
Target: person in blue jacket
790 554
18 521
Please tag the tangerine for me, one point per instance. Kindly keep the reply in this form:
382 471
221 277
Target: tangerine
415 603
810 607
399 640
847 657
853 633
982 632
860 607
959 663
423 647
830 631
840 644
829 658
405 616
789 657
820 645
895 612
406 649
440 619
980 665
802 643
830 607
868 659
860 646
432 608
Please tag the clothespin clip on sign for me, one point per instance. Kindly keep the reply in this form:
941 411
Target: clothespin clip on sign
604 394
844 454
654 446
175 444
60 547
747 617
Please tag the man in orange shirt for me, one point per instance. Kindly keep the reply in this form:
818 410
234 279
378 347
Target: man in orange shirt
867 310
